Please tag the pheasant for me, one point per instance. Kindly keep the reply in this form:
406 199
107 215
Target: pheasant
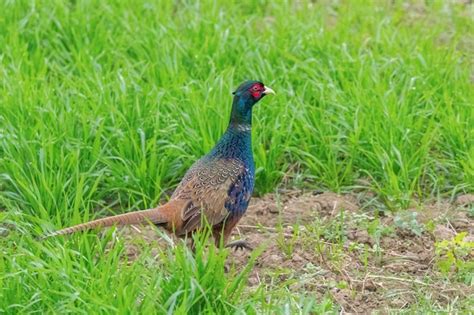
217 187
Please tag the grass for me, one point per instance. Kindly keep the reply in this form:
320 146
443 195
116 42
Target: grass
84 276
103 106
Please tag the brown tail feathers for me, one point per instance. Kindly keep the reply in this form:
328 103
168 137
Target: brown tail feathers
154 216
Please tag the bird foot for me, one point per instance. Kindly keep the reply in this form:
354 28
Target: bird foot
239 244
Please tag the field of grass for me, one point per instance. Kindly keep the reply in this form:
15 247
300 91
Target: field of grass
103 107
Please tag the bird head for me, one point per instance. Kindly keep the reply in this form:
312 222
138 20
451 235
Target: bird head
250 92
247 95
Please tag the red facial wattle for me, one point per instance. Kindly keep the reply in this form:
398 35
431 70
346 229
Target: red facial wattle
256 94
256 90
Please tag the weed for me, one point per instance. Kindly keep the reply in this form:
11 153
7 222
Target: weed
456 255
287 241
408 221
377 230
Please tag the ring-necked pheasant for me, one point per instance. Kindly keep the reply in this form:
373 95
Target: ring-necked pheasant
218 186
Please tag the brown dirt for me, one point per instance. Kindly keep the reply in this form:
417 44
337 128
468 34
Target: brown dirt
360 272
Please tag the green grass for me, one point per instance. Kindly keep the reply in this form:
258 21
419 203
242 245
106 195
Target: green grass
105 105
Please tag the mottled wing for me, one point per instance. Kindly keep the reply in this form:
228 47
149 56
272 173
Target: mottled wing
213 187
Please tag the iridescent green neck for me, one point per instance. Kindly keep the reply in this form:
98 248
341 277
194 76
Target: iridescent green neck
241 114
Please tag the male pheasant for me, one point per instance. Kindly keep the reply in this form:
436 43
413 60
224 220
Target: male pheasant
218 186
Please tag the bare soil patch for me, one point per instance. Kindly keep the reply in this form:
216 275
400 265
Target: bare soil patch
329 244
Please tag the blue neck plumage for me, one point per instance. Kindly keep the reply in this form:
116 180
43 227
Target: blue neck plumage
237 140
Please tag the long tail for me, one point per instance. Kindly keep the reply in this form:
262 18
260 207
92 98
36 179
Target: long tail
155 216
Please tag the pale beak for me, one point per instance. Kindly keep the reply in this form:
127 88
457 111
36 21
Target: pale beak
268 91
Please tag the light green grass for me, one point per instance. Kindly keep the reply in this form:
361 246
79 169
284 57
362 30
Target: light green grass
105 105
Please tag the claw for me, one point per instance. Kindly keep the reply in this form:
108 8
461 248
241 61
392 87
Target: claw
240 244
